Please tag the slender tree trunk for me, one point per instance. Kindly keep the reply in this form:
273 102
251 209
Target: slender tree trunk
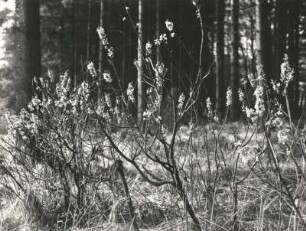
280 36
266 22
140 65
66 188
62 39
130 48
220 57
75 41
180 52
123 63
120 169
18 101
32 46
253 61
88 35
263 37
235 61
259 35
100 52
296 59
157 30
196 225
293 54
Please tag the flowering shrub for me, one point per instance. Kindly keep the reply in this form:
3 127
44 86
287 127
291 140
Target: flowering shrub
73 140
262 104
59 141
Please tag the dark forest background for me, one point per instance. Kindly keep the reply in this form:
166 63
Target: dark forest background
59 35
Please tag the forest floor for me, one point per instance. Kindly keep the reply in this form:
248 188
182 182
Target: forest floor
242 183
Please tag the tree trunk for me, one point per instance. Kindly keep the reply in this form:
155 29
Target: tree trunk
123 63
266 22
100 52
88 35
235 61
140 65
253 60
220 57
157 30
119 168
196 225
293 54
32 46
259 35
263 37
74 46
280 36
18 101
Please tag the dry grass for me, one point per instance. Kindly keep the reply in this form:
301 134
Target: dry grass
260 206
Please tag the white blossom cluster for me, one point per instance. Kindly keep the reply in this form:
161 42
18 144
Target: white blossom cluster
154 102
209 107
277 118
229 97
63 88
181 101
25 125
286 72
59 106
276 86
260 75
92 70
259 101
259 107
241 95
162 39
259 93
286 76
107 77
170 27
149 48
159 73
258 85
252 80
130 93
105 42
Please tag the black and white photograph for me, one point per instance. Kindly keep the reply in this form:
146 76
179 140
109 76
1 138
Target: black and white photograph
152 115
